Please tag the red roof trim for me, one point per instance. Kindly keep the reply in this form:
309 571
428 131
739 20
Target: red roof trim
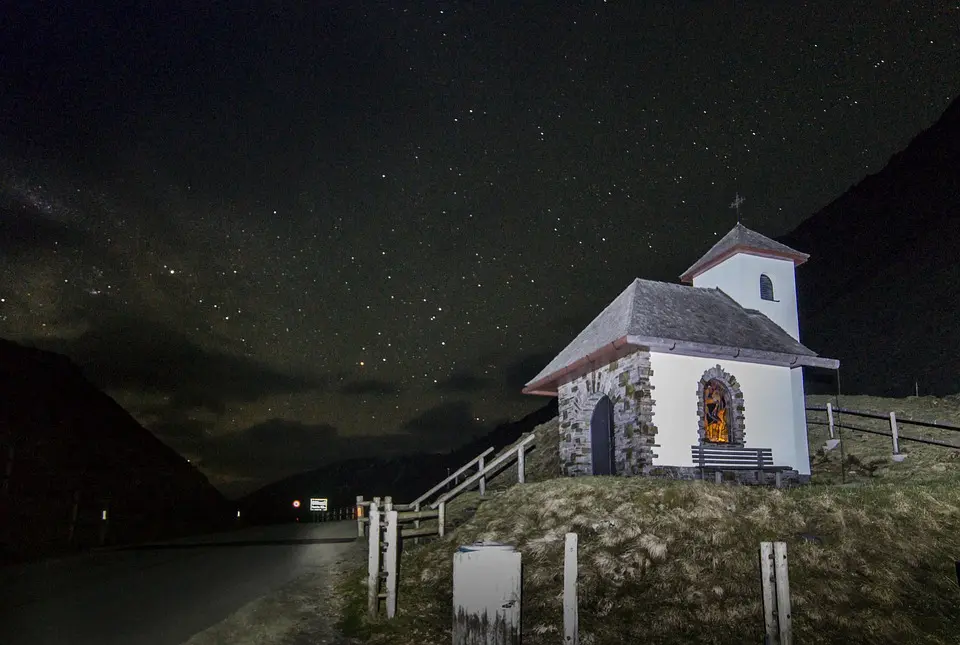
548 385
691 273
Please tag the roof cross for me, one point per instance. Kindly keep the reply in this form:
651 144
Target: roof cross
737 200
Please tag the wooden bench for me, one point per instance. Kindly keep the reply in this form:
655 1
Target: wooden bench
719 458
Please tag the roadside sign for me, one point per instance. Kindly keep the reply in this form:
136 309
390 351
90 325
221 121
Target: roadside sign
318 503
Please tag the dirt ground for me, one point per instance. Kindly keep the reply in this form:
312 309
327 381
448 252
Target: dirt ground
302 612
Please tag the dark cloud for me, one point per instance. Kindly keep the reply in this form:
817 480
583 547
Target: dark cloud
183 434
136 354
368 386
274 448
193 399
463 382
22 231
521 371
445 426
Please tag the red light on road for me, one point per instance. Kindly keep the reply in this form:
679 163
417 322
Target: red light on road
296 503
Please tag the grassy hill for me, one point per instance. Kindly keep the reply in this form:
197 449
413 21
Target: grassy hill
871 560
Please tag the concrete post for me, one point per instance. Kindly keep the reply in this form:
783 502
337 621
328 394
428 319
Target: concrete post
571 619
775 585
390 562
896 438
486 594
483 479
373 563
359 516
521 474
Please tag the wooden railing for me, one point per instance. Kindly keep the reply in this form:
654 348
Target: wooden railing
480 477
384 521
891 418
385 536
478 460
415 505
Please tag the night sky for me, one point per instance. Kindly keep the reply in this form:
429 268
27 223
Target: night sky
283 234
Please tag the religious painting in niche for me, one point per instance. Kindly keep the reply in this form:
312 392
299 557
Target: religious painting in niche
716 412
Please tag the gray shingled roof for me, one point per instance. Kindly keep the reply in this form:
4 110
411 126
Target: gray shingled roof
741 236
659 312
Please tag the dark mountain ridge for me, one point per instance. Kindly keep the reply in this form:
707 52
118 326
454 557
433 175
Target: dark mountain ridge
404 478
68 452
880 288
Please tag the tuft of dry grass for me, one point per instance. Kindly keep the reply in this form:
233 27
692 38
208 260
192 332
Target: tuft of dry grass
678 562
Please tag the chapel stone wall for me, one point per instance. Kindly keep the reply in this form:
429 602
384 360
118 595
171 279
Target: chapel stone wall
626 382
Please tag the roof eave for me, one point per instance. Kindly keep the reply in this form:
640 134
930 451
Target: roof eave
703 350
540 392
547 385
826 363
699 266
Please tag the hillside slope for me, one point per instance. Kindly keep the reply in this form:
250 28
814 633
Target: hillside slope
61 437
883 272
871 561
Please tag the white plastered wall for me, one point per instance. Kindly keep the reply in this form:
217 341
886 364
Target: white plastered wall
800 420
739 277
771 417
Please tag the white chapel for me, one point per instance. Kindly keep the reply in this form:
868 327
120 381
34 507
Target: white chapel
702 380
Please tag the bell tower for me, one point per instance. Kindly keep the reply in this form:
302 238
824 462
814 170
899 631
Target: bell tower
757 272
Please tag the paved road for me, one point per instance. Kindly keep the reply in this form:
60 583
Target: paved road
161 595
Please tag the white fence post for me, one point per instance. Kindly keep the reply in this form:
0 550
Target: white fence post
416 524
896 438
483 478
769 599
373 562
441 518
784 611
830 417
390 562
520 466
571 620
831 442
775 581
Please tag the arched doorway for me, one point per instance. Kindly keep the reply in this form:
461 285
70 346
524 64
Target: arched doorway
601 437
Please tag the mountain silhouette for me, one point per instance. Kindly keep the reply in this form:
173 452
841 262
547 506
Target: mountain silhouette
404 477
69 453
881 288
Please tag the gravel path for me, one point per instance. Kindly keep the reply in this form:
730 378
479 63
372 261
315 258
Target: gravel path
301 612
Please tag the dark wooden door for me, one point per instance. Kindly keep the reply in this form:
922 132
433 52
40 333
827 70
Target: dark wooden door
601 437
